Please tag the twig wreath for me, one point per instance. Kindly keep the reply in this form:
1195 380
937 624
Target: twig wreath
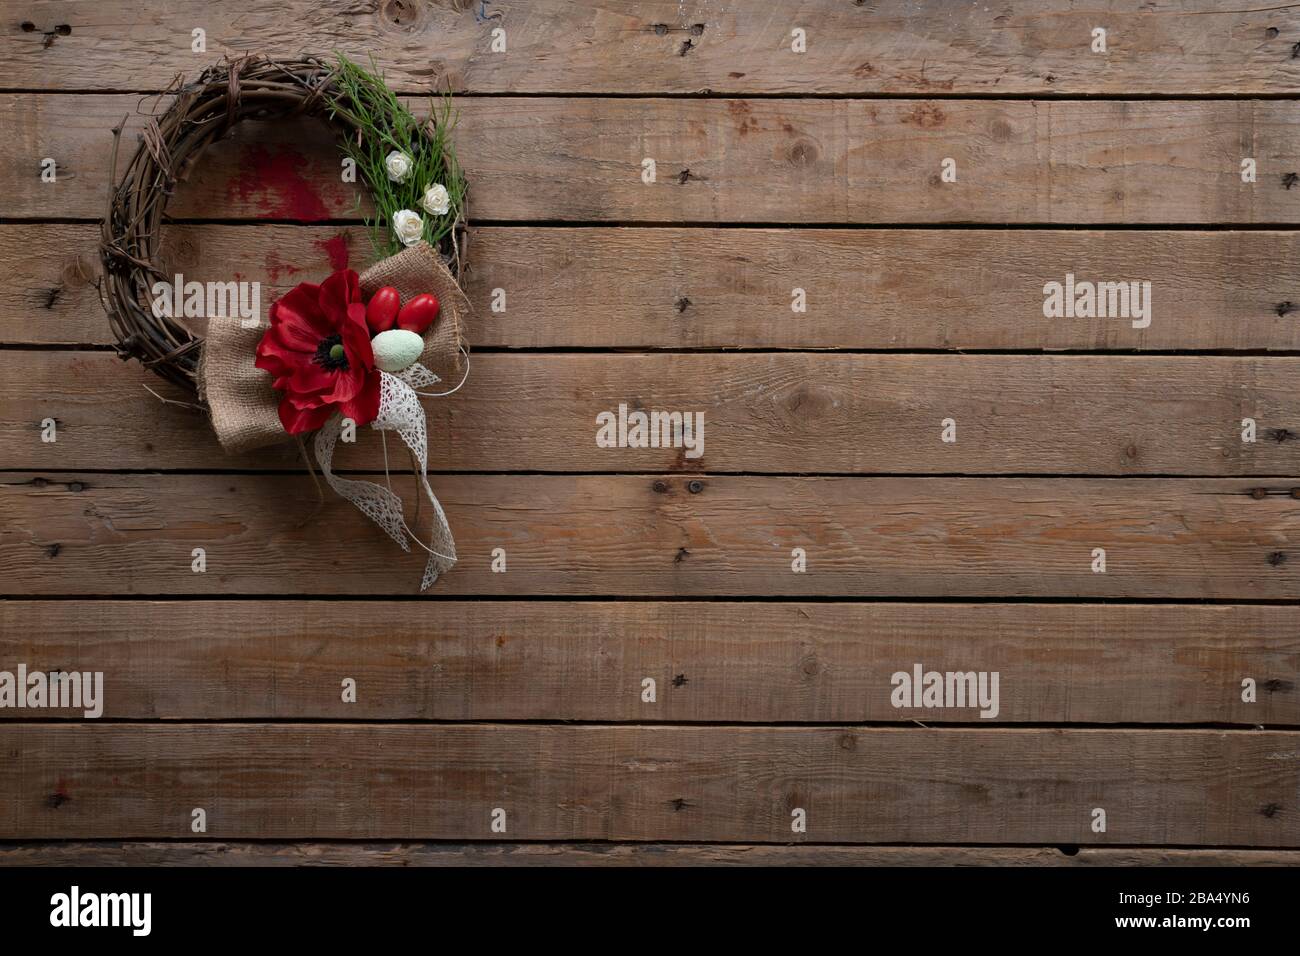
350 351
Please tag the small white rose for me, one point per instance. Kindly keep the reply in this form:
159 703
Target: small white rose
408 226
398 165
436 200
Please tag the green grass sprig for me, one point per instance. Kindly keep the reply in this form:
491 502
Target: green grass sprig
385 124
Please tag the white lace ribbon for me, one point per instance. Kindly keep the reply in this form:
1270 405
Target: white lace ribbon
399 411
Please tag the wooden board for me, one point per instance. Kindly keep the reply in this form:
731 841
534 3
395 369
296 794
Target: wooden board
775 171
775 413
628 535
678 288
1072 163
680 783
709 661
223 853
658 46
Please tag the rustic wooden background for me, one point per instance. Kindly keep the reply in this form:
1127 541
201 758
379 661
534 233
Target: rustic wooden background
775 170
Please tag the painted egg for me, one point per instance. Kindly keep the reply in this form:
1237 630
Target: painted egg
418 314
382 309
396 349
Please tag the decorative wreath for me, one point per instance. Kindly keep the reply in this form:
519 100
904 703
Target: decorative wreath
352 350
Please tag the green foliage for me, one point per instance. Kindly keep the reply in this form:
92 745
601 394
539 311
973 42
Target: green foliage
361 97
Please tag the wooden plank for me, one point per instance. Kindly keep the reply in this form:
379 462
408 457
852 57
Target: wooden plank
711 662
771 413
678 288
653 46
226 853
631 535
749 161
673 783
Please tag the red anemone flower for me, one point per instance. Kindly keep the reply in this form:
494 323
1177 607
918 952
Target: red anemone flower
318 350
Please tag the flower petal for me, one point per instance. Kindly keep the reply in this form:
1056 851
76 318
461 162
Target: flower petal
297 319
299 420
337 292
364 409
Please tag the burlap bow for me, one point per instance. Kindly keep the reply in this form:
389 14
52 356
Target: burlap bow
243 405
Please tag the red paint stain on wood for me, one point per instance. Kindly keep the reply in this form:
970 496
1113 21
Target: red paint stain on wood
276 183
275 267
336 250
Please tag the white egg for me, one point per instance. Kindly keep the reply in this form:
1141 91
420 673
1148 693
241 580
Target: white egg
396 349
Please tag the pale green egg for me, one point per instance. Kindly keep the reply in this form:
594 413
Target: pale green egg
396 349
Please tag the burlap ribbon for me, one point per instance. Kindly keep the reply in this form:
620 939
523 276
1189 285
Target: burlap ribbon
243 406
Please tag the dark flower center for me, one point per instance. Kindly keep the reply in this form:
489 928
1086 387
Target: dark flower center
330 354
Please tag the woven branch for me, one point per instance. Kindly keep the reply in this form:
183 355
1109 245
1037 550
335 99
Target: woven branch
202 113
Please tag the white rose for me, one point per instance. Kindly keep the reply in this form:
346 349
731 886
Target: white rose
408 226
436 201
398 165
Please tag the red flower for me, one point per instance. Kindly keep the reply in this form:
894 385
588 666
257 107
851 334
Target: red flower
318 350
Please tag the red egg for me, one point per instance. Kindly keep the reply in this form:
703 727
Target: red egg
418 314
382 309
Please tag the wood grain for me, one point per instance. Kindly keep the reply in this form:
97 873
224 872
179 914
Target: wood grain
783 413
224 853
675 288
632 535
1077 162
710 661
656 46
673 783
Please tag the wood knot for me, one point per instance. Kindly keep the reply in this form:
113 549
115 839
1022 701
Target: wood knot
401 14
1277 558
848 742
682 304
1270 810
1290 179
1284 308
681 680
809 666
802 153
